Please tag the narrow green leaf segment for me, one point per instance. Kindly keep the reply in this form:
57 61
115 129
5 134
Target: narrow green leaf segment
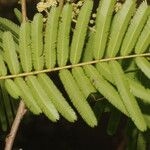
64 35
7 25
37 42
105 88
144 39
104 69
25 47
128 99
42 98
12 88
56 97
51 37
119 26
139 91
83 81
18 14
88 52
3 70
27 97
80 32
103 20
10 54
144 65
77 98
135 28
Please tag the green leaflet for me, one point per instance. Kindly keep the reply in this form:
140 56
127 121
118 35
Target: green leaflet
141 142
144 65
64 35
139 91
7 103
56 97
103 20
25 47
104 69
51 37
37 42
113 122
12 88
88 53
119 25
18 14
7 25
128 99
3 119
135 28
135 88
42 99
144 39
10 54
147 119
80 32
3 69
83 81
105 88
27 96
1 41
77 98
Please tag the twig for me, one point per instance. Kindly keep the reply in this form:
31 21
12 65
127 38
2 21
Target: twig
72 66
11 137
21 109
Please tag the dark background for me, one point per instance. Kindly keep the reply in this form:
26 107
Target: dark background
38 133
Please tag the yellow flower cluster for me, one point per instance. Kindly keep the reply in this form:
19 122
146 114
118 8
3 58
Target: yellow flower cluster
43 5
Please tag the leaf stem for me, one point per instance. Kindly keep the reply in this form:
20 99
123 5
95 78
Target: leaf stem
72 66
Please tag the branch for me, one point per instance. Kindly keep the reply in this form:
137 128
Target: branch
21 109
11 137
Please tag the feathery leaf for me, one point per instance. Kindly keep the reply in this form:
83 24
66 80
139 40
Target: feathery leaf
42 98
10 54
144 39
37 42
128 99
83 81
119 25
135 28
12 88
27 97
56 97
51 37
7 25
25 47
144 65
77 98
103 20
63 35
80 32
105 88
3 70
